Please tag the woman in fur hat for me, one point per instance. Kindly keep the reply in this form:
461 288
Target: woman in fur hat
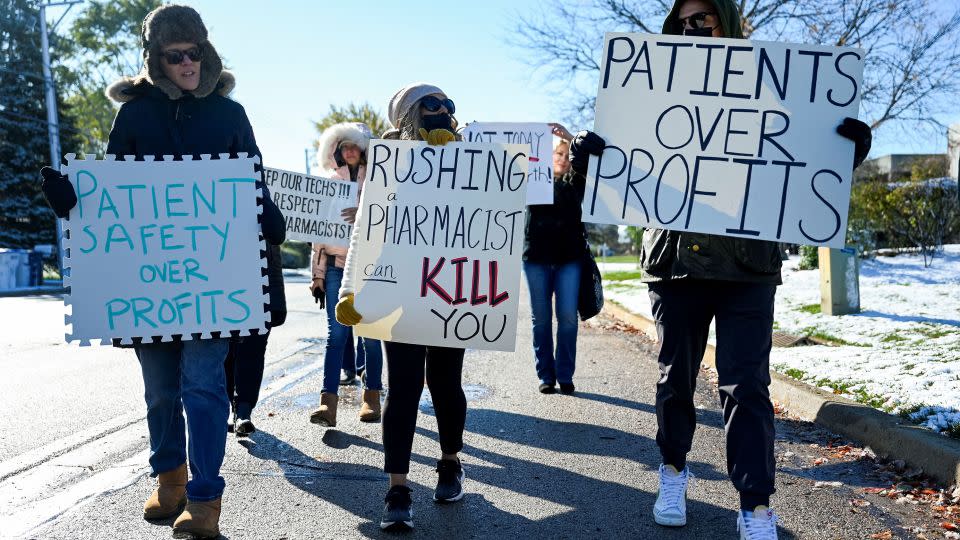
178 106
342 154
418 112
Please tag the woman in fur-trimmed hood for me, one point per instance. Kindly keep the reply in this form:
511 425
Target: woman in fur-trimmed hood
341 153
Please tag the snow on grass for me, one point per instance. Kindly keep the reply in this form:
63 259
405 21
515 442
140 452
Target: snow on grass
900 354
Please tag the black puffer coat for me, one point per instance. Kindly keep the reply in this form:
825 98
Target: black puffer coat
554 233
675 255
151 123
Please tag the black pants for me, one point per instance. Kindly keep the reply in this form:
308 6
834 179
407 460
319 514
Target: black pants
683 310
244 369
406 366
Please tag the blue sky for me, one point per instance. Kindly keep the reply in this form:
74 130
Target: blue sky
293 59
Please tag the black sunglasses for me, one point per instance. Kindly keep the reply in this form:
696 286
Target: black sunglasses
175 57
433 104
697 20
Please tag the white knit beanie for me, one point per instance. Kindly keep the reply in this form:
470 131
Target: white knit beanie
406 98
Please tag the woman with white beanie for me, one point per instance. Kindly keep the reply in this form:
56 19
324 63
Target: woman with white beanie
342 153
418 111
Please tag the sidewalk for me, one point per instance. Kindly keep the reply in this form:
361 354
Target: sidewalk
537 466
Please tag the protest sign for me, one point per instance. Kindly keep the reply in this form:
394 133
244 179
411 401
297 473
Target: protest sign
312 205
163 248
439 241
725 136
540 139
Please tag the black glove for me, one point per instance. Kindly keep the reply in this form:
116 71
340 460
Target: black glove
272 223
58 191
584 144
320 297
277 317
859 133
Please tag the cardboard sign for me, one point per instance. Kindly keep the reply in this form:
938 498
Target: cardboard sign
163 248
725 136
439 241
312 205
540 139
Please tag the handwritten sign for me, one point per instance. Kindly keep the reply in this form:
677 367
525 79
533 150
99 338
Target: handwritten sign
540 139
312 205
725 136
440 236
163 248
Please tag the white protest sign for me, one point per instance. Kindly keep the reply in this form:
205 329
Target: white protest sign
163 248
540 139
725 136
440 236
312 205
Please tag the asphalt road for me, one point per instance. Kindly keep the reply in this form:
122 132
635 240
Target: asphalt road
73 448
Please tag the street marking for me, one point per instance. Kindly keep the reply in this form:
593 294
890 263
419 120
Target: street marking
51 450
62 468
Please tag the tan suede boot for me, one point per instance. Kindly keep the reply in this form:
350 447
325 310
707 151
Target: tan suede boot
326 415
169 497
370 410
198 520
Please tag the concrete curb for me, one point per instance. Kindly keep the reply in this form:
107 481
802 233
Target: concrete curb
885 434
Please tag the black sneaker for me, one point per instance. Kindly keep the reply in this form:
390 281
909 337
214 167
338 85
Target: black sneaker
566 388
347 377
450 484
243 427
397 514
548 388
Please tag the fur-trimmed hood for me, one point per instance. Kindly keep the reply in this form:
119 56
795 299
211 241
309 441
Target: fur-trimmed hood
128 88
328 146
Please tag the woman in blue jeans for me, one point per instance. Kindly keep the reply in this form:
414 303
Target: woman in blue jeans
555 241
342 153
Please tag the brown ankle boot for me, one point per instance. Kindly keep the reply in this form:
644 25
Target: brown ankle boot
198 520
169 497
326 415
370 410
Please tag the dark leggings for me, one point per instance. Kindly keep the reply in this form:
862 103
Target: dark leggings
406 366
244 370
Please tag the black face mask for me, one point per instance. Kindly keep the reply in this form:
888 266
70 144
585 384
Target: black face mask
438 121
698 32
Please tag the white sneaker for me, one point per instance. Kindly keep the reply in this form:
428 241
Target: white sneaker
670 510
761 524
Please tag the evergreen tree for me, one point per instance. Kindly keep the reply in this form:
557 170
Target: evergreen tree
25 218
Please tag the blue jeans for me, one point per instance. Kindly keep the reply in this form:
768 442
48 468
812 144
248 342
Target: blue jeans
546 281
354 360
187 377
339 335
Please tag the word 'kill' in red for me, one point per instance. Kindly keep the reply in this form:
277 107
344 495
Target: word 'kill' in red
429 276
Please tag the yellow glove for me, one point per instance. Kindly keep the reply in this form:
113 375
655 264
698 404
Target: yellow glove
346 315
437 137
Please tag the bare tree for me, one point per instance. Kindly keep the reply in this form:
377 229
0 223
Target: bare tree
912 60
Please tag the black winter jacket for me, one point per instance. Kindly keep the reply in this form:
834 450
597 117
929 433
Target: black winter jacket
554 233
675 255
150 123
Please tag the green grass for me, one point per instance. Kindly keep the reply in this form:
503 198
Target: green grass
932 332
814 333
619 259
893 338
622 275
795 373
812 309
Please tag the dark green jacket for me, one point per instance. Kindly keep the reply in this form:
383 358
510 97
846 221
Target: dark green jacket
669 255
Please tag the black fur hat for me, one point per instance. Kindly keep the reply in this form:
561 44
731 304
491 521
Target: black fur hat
174 23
